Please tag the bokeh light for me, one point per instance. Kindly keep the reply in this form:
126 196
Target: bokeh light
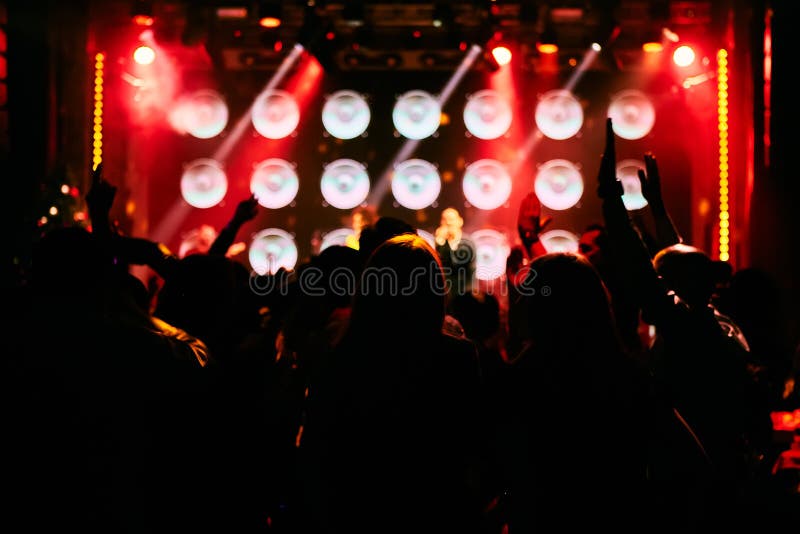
336 237
274 183
275 114
272 249
491 251
416 114
558 114
632 114
345 114
416 184
558 184
627 173
144 55
559 241
486 184
204 183
345 183
487 115
202 114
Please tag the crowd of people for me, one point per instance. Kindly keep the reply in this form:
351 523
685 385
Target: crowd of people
376 388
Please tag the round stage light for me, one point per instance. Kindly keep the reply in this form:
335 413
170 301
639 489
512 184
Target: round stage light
559 115
336 237
345 183
272 249
345 115
427 236
144 55
683 56
632 114
628 174
491 251
203 183
274 182
202 114
486 184
559 241
275 114
558 184
416 184
487 114
416 114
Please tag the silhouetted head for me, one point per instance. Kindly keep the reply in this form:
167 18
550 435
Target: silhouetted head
384 228
478 314
401 290
568 306
688 271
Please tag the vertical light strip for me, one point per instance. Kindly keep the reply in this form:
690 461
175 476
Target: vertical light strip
722 125
97 122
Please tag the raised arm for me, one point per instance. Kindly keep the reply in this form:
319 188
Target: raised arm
650 179
246 210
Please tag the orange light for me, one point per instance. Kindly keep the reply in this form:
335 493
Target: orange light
502 55
653 47
269 22
546 48
143 20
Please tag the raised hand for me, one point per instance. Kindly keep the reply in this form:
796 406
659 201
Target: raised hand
607 183
650 180
530 222
246 210
101 195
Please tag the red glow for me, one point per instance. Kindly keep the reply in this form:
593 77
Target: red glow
417 34
278 46
143 20
502 55
330 36
462 46
269 22
546 48
237 33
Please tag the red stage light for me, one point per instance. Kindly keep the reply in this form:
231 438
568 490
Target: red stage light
143 20
683 56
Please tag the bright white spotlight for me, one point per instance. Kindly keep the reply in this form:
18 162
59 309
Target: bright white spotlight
559 241
627 173
416 184
345 114
345 183
558 184
202 114
502 55
272 249
416 115
275 114
486 184
274 182
683 56
144 55
203 183
632 114
336 237
559 115
491 251
487 114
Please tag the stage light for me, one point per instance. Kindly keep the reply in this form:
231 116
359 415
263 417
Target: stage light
144 55
416 184
547 42
416 114
559 241
336 237
272 249
558 114
632 113
269 14
627 174
558 184
427 236
486 184
142 13
491 251
683 56
203 183
442 15
345 114
487 115
202 114
345 183
275 114
97 137
353 13
274 183
502 55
